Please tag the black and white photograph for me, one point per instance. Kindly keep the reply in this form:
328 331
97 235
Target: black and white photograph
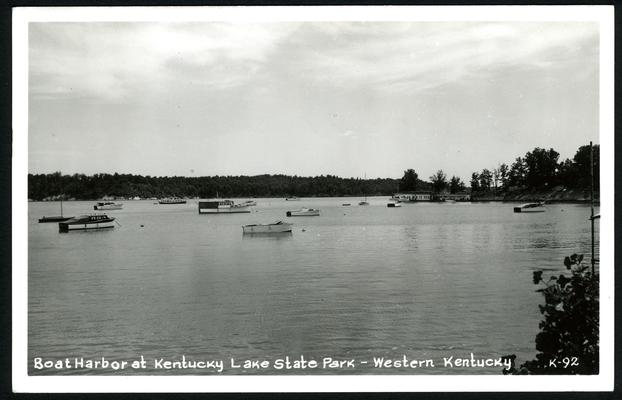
270 198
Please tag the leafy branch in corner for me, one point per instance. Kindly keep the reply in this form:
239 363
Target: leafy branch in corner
568 337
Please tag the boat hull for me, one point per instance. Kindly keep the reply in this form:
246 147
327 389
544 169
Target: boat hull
63 227
309 213
233 210
57 218
393 205
267 228
108 208
528 210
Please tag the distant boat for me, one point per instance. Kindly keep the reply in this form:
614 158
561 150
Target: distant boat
220 206
394 204
107 205
530 208
346 204
276 227
172 200
87 222
293 198
364 202
304 212
55 218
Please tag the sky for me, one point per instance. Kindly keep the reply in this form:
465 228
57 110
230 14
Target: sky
351 99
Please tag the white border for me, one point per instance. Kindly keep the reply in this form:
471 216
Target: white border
363 383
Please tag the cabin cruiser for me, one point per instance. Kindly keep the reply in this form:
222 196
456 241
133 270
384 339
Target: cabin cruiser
304 212
221 206
107 205
87 222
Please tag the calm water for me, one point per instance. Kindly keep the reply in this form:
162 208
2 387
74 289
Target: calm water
425 280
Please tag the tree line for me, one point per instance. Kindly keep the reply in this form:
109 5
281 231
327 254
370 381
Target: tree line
537 169
540 169
83 187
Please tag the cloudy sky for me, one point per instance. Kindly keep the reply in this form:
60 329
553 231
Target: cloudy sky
307 98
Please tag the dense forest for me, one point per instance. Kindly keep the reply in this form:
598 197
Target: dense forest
82 187
539 169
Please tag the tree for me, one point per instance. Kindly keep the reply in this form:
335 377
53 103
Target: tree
485 179
542 167
568 337
474 182
518 173
503 170
439 181
456 185
582 167
409 180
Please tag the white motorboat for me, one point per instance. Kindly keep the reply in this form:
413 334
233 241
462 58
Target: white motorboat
107 205
222 207
276 227
530 208
304 212
87 222
393 204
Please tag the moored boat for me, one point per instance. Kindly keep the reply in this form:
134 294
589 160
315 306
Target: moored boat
530 208
172 200
393 204
221 206
87 222
276 227
107 205
293 198
55 218
304 212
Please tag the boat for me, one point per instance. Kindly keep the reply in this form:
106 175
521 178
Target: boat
364 202
293 198
304 212
107 205
55 218
530 208
172 200
87 222
346 204
249 203
394 204
221 206
276 227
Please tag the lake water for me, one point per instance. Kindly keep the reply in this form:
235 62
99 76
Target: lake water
425 281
